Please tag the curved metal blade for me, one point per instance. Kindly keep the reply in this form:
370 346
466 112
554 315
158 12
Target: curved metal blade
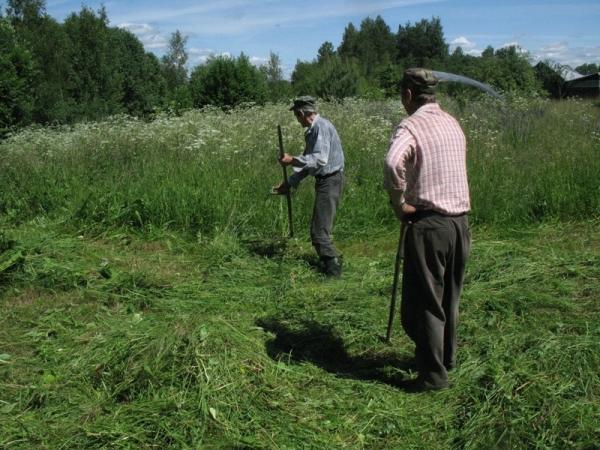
445 76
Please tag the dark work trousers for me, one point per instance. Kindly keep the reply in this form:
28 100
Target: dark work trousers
328 192
435 254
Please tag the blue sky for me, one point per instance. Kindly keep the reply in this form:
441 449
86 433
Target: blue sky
567 32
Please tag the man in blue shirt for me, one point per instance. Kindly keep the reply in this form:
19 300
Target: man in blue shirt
322 158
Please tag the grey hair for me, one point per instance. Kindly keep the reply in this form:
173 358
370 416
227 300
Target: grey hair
306 109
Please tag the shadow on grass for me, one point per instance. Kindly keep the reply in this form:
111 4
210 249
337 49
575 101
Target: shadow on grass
267 248
319 344
312 261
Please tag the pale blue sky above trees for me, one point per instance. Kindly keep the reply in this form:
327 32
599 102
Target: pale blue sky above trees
568 32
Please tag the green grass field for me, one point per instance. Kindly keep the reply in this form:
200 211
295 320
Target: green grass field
149 299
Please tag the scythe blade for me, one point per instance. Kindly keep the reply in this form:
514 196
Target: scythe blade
451 77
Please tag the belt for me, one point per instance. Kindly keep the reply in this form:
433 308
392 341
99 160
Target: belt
322 177
424 213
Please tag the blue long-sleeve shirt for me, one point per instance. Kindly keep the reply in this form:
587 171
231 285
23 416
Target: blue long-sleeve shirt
323 152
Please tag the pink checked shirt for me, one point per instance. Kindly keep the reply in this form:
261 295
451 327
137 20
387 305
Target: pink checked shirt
427 161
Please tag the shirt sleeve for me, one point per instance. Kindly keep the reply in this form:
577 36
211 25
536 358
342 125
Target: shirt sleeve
295 179
319 154
402 148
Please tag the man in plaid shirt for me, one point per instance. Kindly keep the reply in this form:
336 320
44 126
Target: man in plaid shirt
426 178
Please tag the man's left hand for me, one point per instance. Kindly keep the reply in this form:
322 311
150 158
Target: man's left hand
280 189
403 211
286 160
407 209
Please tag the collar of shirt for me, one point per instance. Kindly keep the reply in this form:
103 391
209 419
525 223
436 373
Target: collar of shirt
309 129
428 107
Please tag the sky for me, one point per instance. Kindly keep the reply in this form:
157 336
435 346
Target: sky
567 32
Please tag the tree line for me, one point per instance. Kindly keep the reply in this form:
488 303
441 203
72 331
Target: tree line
84 69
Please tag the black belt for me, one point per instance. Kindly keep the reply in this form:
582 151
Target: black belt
424 213
322 177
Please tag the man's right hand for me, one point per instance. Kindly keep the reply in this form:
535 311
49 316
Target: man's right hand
281 189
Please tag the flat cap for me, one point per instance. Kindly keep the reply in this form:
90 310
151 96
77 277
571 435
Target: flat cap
422 79
305 103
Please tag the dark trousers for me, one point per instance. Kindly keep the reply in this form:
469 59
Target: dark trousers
328 192
436 251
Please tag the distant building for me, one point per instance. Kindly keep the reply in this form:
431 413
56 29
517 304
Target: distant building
584 86
566 82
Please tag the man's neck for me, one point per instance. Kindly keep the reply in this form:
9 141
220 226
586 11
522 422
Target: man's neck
310 119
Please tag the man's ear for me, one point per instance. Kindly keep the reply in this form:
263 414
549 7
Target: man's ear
407 95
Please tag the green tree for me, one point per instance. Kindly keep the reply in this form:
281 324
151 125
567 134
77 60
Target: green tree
348 48
305 78
338 78
175 61
16 73
375 45
228 82
49 46
325 52
488 52
142 83
513 71
175 72
588 69
550 74
460 63
25 10
372 46
421 44
278 88
94 80
388 79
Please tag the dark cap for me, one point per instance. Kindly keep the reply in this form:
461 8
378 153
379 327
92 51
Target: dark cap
304 103
423 80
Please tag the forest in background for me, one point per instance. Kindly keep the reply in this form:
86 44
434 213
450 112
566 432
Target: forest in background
84 69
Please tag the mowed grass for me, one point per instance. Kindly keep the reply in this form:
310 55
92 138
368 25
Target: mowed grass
122 342
150 299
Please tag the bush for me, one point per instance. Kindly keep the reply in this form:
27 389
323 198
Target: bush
227 82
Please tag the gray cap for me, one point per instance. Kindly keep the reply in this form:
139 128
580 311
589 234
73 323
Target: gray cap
304 103
422 80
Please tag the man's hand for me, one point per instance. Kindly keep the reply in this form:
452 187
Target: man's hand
281 189
408 209
401 209
286 160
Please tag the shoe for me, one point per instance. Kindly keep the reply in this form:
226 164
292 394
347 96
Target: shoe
419 385
333 267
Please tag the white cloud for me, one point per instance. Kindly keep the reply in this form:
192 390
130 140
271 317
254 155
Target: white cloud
468 47
153 40
462 42
236 17
510 44
563 53
520 49
151 14
147 34
258 60
201 55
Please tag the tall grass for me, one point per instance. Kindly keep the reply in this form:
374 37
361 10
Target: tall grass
168 344
224 339
211 170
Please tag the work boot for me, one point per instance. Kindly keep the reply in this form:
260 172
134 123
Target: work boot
333 267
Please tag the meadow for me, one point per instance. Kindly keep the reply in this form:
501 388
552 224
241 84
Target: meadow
149 296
